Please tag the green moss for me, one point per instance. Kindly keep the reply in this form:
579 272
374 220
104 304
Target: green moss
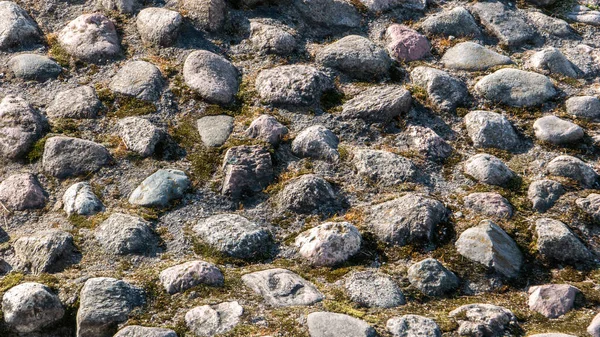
332 100
37 150
57 52
127 106
65 126
11 280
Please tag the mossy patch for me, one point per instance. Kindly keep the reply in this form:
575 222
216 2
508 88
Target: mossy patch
37 150
57 52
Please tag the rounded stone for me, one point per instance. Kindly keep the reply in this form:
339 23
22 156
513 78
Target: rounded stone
413 326
139 79
405 44
554 130
159 26
34 67
91 38
78 103
30 307
329 244
490 129
373 290
212 76
123 234
488 169
292 85
432 278
516 88
184 276
80 199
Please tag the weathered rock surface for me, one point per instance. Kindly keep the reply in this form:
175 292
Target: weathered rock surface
44 252
554 130
515 87
29 307
268 129
554 238
585 107
78 103
123 234
405 44
384 168
282 288
413 325
457 22
445 91
215 130
316 142
323 324
432 278
247 169
17 28
210 320
139 79
573 168
34 67
80 199
140 135
292 85
211 76
378 104
373 290
473 57
209 15
489 204
505 22
544 193
67 157
490 129
308 194
488 169
329 244
552 300
91 38
159 26
483 320
184 276
141 331
161 188
21 192
20 127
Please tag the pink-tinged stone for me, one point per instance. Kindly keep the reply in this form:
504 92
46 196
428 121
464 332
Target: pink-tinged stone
22 191
552 300
594 328
187 275
405 44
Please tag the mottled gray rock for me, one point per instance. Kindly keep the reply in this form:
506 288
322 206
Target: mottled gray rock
30 307
141 331
549 25
139 79
457 22
383 5
544 193
373 290
234 235
215 130
20 127
159 26
594 328
247 170
206 14
504 22
329 13
552 300
473 57
80 199
211 320
425 141
316 142
140 135
444 91
120 6
103 304
590 205
268 129
491 129
516 87
488 169
282 288
489 204
212 76
378 104
161 188
34 67
413 326
292 85
585 58
585 107
17 28
558 131
22 191
184 276
584 14
554 239
357 57
408 219
483 320
326 324
552 61
329 244
432 278
123 234
383 167
81 102
489 245
308 194
90 38
45 251
271 39
66 157
573 168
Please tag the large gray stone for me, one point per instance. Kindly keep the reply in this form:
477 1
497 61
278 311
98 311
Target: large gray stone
212 76
590 205
211 320
268 129
161 188
552 61
489 204
508 24
272 39
373 290
120 6
80 199
66 157
45 251
378 104
206 14
490 246
292 85
426 141
21 192
20 127
544 193
491 129
457 22
184 276
30 307
159 26
327 324
79 103
516 88
123 234
140 135
413 326
584 14
139 79
594 328
444 91
34 67
316 142
247 169
556 243
488 169
550 26
329 13
141 331
215 130
17 28
558 131
552 300
472 57
484 320
432 278
383 167
384 5
282 288
329 244
91 38
573 168
585 107
308 194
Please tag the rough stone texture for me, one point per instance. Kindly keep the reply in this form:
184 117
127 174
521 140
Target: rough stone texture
140 135
271 39
282 288
489 245
325 324
426 141
457 22
316 142
292 85
373 290
123 234
211 76
357 57
573 168
103 304
383 5
29 307
121 6
490 129
234 235
413 325
184 276
215 130
544 193
384 168
329 244
590 205
161 188
504 22
34 67
66 157
91 38
585 107
552 61
432 278
472 57
488 169
140 79
80 199
378 104
206 14
308 194
159 26
554 238
247 170
445 91
483 320
405 44
552 300
268 129
21 192
550 26
516 88
44 252
410 218
78 103
554 130
17 29
211 320
489 204
141 331
594 328
329 13
583 14
20 127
